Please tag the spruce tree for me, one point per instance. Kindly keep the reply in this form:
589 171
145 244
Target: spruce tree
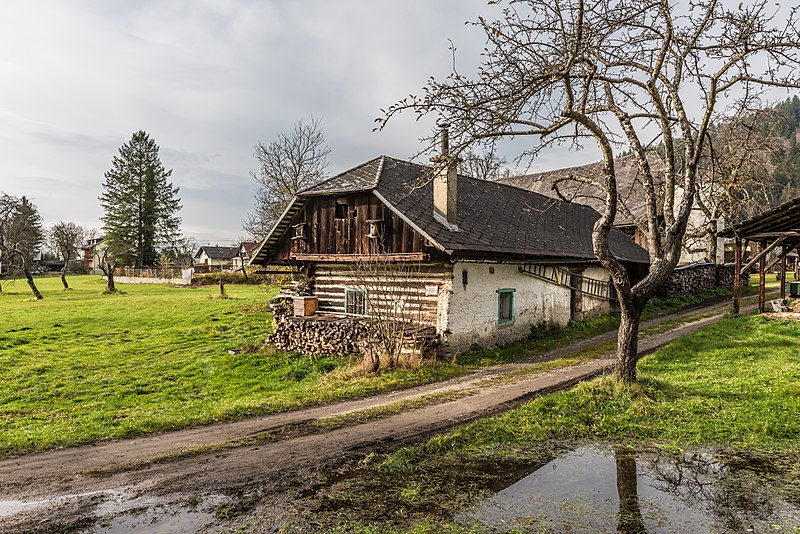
140 205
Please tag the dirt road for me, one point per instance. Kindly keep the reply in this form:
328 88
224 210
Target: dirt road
72 488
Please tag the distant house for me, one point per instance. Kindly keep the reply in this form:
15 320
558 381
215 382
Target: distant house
481 262
245 254
90 254
220 257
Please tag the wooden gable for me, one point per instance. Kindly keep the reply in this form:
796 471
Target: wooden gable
332 227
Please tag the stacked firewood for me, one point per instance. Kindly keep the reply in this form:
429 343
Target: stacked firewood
725 275
320 336
337 335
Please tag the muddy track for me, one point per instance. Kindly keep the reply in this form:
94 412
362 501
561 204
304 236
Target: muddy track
70 488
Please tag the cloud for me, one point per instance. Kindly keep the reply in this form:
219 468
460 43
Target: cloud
208 79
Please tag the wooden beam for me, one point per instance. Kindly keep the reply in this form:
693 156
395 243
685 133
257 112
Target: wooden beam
762 279
771 235
761 255
783 272
784 251
737 277
368 258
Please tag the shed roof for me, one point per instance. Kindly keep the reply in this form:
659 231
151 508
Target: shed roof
779 221
493 218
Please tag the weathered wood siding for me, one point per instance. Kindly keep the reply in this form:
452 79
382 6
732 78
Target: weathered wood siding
416 286
327 234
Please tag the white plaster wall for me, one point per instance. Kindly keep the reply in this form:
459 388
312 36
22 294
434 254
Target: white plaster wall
468 314
588 306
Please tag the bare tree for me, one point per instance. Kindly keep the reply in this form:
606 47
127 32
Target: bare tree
391 299
65 238
21 237
735 178
619 74
7 206
110 255
288 164
483 165
178 251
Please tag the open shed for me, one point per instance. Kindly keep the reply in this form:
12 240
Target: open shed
775 230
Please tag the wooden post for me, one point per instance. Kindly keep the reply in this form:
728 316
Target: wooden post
762 282
783 275
737 277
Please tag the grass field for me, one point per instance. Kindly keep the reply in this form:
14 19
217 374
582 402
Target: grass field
80 366
736 383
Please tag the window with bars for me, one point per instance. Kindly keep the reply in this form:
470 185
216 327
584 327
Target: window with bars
355 301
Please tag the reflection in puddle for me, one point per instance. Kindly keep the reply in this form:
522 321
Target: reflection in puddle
595 488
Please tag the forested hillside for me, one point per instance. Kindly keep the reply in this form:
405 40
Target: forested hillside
787 172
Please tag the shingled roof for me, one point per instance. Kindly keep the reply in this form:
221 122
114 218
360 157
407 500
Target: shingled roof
571 184
218 253
493 218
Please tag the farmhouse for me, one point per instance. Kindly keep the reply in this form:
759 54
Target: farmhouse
479 262
90 254
222 257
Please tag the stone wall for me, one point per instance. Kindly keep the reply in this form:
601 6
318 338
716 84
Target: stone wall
698 277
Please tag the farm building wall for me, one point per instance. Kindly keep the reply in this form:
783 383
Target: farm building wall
342 225
411 289
470 313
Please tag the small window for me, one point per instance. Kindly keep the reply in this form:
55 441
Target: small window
355 301
505 305
342 208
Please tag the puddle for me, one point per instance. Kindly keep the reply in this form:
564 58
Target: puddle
119 512
9 508
151 515
597 489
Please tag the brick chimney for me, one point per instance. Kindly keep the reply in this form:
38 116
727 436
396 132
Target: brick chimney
445 185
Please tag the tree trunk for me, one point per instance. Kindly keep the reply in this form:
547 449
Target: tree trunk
711 251
64 277
31 283
221 283
110 287
627 344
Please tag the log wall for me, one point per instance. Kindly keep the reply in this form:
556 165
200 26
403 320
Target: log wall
408 290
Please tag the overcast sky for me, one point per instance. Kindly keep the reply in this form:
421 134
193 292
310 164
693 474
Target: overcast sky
208 79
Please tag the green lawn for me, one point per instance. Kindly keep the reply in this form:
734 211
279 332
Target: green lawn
736 383
80 366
